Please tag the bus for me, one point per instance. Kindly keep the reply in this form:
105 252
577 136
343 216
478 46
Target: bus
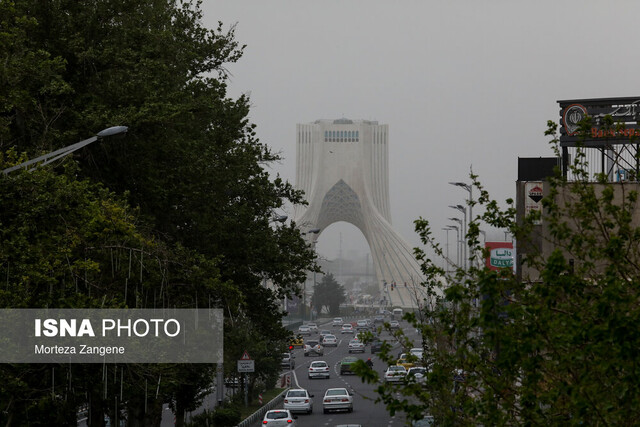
397 313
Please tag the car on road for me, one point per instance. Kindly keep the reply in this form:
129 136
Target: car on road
319 369
362 325
356 346
287 361
375 345
426 421
337 321
298 400
403 360
279 417
313 327
378 318
304 330
394 324
324 332
345 365
330 341
395 373
418 374
337 399
417 352
313 348
347 328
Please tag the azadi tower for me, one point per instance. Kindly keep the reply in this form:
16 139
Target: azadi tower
343 167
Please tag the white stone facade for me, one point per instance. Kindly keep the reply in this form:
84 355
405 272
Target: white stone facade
343 168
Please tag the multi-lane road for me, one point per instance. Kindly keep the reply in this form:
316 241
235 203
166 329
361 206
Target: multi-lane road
365 411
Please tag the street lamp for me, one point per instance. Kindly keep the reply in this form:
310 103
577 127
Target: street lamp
447 252
455 227
279 218
464 229
469 188
58 154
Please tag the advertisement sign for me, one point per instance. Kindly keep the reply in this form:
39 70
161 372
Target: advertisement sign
533 195
625 113
501 255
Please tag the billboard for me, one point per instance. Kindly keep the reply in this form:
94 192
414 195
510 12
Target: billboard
501 255
533 191
624 111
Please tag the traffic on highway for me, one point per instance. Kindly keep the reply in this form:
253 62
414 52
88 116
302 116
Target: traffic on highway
323 389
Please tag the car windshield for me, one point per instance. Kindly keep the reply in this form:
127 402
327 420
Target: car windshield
297 393
346 326
318 365
285 355
417 370
349 360
329 337
277 415
312 343
337 392
396 368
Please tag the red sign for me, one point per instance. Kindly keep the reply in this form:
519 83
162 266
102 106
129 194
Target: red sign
245 356
501 255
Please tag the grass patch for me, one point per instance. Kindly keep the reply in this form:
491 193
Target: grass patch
267 396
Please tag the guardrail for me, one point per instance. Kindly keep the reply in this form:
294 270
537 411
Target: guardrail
260 412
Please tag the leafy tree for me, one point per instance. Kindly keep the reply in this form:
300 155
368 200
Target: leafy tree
328 294
191 166
557 349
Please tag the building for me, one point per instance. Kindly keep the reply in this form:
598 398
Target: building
342 166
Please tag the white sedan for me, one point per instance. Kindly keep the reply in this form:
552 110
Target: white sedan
304 330
355 346
298 400
337 399
279 417
347 328
330 341
319 368
337 321
395 373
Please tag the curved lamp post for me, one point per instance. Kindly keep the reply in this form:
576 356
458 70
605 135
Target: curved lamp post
464 230
58 154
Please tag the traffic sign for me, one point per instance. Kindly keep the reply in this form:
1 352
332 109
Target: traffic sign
245 356
246 366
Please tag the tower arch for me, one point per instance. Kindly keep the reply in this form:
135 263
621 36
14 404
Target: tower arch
342 166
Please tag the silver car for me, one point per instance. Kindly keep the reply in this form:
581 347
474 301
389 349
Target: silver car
279 417
319 369
298 400
330 341
355 346
337 399
313 348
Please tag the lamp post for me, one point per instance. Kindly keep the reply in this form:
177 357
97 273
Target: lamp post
469 188
447 250
58 154
464 229
455 227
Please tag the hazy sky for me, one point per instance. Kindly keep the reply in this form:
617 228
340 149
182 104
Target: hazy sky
460 84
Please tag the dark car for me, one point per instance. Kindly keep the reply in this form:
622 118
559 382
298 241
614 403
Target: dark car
345 365
376 346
